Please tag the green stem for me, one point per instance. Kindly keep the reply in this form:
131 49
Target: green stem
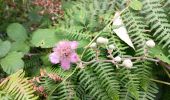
162 82
166 71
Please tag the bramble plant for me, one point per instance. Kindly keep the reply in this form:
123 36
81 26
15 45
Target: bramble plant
84 49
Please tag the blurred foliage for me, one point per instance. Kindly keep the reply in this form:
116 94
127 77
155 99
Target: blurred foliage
30 28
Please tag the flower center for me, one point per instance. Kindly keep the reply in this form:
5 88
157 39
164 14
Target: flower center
66 51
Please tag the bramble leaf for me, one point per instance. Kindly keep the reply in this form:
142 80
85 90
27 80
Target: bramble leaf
20 47
17 32
4 48
44 38
12 62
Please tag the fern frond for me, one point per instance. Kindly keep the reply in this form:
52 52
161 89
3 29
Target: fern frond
89 54
149 93
166 5
130 81
5 96
88 16
64 91
19 87
48 84
81 92
106 76
58 71
91 83
125 94
157 19
120 47
136 29
78 35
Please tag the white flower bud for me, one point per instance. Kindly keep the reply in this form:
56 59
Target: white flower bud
93 45
52 18
106 41
127 63
102 40
150 43
118 59
112 47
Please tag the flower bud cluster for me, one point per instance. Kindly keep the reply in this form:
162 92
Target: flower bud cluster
102 41
126 61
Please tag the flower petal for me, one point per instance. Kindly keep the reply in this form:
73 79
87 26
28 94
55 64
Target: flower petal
74 58
54 58
65 64
55 49
73 44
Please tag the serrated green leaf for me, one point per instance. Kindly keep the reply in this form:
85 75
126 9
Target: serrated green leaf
17 32
4 48
136 5
20 47
44 38
12 62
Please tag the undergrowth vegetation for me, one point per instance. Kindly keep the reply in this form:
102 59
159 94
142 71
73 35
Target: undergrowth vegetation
84 49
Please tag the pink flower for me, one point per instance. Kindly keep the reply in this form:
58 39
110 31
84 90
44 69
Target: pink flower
64 53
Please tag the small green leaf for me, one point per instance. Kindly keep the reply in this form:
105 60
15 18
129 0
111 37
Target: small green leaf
136 5
34 16
17 32
44 38
20 47
45 59
158 53
12 62
81 45
4 48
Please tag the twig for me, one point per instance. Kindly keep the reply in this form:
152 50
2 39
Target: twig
166 71
113 61
162 82
32 54
164 64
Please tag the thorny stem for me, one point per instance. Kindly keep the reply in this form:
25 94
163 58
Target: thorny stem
114 62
